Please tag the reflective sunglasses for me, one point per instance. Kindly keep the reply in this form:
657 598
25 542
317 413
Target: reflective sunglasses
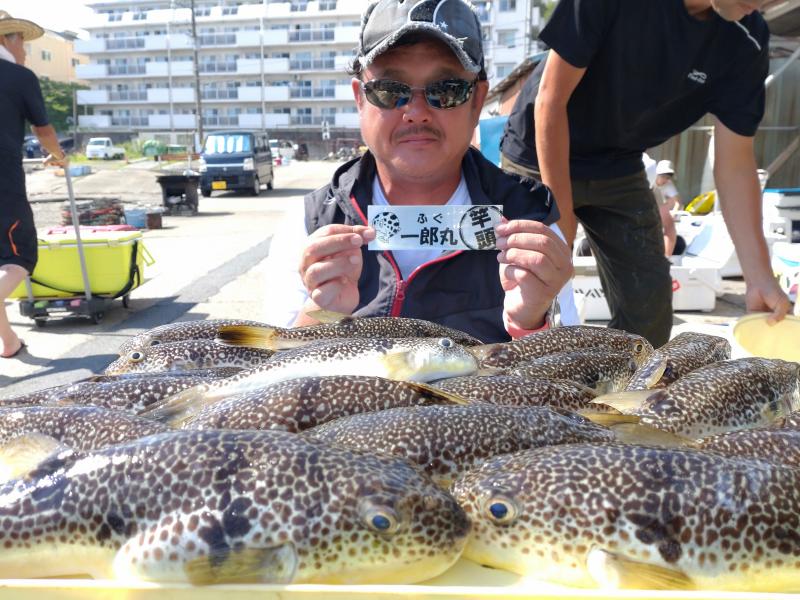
444 94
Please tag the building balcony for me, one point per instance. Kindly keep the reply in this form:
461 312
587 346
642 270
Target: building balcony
341 63
128 96
221 120
175 41
90 97
91 46
217 39
126 70
349 120
176 68
94 121
311 35
307 120
130 121
310 93
313 64
211 68
172 121
91 71
131 43
253 66
263 121
220 94
346 35
163 95
273 93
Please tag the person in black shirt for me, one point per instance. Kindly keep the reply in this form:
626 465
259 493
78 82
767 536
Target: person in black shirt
20 100
586 114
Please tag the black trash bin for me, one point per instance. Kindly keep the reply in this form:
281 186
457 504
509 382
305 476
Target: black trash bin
179 190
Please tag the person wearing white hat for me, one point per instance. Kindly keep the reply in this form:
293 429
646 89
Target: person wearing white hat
667 198
20 100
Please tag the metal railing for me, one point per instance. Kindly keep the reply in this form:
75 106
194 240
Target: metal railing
307 65
312 92
221 120
124 43
217 39
311 35
220 94
129 95
126 69
307 120
228 67
130 121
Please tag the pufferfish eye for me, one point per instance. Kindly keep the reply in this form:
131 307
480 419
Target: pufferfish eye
638 348
446 343
382 520
500 510
136 356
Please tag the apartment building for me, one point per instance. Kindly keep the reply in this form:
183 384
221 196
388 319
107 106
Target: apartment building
53 56
263 64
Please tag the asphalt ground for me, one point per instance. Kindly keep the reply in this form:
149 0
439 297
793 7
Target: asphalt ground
207 266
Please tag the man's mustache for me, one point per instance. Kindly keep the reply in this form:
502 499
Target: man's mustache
416 130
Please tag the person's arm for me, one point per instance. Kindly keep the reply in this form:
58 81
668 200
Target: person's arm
49 141
739 193
534 266
559 80
330 267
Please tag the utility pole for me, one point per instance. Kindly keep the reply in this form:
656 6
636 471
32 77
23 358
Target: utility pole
198 105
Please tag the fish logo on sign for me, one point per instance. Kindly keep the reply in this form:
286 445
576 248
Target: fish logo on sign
386 225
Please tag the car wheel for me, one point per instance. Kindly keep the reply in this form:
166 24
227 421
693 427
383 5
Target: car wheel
256 186
206 192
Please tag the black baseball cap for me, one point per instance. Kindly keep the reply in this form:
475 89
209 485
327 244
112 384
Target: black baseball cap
454 22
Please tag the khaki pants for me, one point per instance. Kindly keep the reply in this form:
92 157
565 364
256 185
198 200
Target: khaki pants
623 226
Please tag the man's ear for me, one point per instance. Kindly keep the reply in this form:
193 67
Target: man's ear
355 84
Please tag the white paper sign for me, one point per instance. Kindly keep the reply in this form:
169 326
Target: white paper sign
466 227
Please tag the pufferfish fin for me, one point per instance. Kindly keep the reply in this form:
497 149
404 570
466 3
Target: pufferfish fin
614 571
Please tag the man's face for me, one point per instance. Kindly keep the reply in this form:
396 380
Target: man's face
416 141
734 10
15 44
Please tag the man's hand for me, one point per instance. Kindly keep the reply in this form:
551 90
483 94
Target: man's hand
534 265
768 296
331 265
57 162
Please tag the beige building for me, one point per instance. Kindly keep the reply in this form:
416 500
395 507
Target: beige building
52 56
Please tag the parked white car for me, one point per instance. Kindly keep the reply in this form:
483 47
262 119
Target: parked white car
101 147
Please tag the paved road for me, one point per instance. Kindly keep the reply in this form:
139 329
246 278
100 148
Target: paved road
206 267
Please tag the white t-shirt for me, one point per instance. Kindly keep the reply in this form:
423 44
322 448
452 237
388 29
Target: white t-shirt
286 292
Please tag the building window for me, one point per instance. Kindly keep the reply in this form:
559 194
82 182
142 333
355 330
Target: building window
139 16
46 55
327 5
508 5
230 10
505 38
75 62
503 69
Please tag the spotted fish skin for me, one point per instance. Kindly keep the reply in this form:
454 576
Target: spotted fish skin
561 339
508 390
684 353
129 394
178 332
406 359
299 404
212 507
725 396
364 327
186 356
597 369
79 427
722 523
447 440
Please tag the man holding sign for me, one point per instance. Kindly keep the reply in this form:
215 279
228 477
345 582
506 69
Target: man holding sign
419 85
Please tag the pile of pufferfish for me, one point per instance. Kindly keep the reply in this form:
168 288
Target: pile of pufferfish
381 450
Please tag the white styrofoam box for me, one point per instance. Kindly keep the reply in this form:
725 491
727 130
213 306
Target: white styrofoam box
786 266
782 198
695 283
713 243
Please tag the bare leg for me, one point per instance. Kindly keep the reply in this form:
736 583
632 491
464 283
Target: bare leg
10 277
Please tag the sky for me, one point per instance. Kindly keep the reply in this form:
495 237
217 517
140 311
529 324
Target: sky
57 15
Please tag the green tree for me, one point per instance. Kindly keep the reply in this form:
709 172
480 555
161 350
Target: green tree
547 9
58 99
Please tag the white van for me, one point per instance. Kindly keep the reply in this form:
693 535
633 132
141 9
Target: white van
282 148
